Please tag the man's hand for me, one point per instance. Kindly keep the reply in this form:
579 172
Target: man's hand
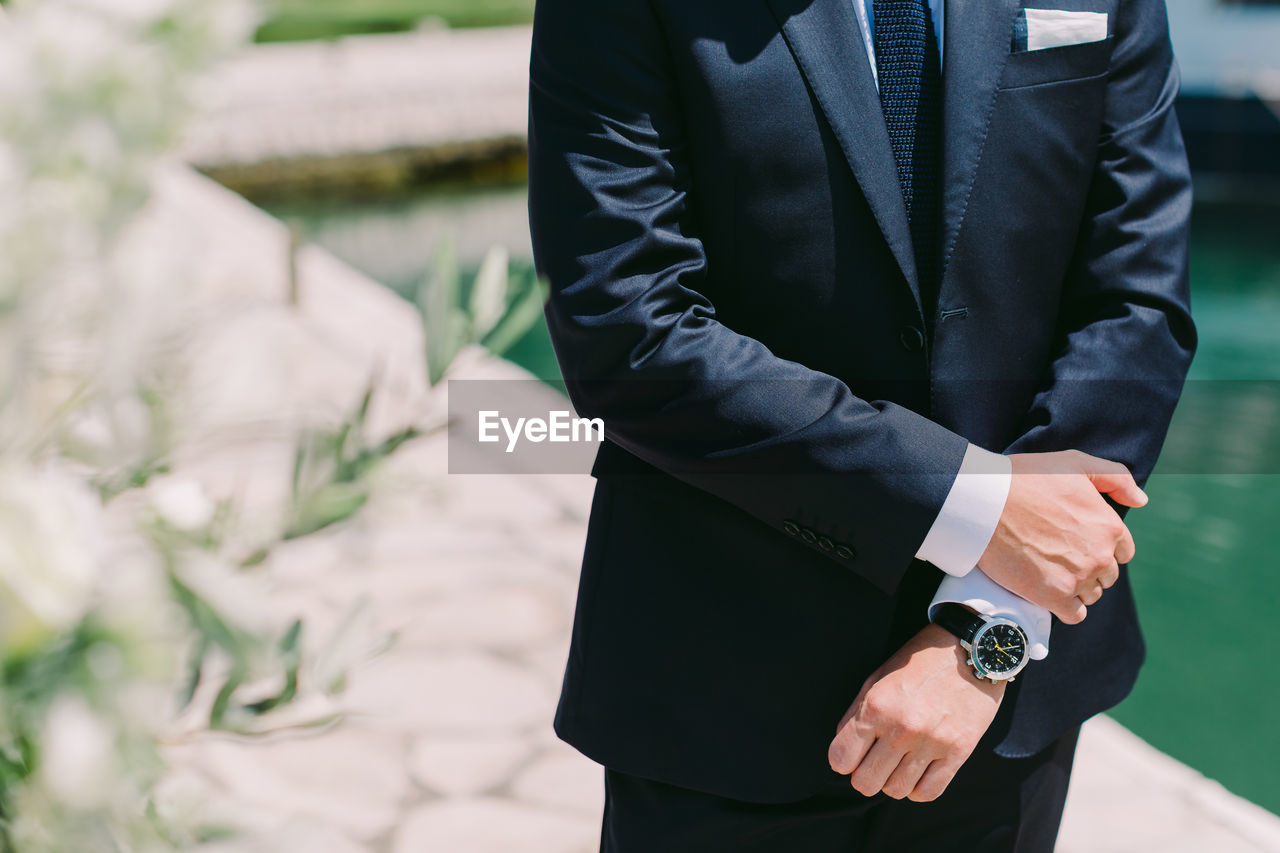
915 721
1058 543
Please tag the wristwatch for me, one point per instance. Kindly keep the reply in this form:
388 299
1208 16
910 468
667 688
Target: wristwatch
997 647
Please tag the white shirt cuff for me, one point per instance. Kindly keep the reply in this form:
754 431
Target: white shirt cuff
984 595
970 513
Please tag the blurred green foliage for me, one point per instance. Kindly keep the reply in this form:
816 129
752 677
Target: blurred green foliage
296 20
331 471
494 310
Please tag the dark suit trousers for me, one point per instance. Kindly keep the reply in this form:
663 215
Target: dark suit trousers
994 805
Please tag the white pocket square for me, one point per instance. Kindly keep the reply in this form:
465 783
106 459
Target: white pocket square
1039 29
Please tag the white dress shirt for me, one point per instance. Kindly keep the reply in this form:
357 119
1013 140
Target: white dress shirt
960 534
973 507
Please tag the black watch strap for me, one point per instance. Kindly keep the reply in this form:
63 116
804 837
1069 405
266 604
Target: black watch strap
959 620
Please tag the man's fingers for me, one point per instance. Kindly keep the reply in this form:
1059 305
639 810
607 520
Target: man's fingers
1091 595
848 748
1114 480
935 780
874 770
857 702
852 739
904 779
1072 612
1125 549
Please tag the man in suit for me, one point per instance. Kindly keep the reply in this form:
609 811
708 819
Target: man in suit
868 293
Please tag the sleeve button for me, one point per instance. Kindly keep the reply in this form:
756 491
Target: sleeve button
808 536
844 552
826 544
790 528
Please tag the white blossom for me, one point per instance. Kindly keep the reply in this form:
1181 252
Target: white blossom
95 311
51 535
77 762
182 503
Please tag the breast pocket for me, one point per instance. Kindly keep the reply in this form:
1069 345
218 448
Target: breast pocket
1057 64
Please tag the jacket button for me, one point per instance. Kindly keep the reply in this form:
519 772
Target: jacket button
911 338
791 528
826 544
844 552
808 535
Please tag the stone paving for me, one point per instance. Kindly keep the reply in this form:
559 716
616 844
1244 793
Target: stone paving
448 745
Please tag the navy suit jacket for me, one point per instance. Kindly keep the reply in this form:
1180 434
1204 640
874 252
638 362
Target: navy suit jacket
714 201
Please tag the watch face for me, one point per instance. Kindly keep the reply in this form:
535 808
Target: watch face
1000 648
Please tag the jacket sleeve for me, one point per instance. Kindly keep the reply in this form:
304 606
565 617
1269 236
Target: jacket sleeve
1128 335
640 345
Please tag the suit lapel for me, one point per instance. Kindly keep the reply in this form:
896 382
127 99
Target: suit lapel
824 37
976 42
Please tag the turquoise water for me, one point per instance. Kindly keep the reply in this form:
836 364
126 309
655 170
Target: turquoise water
1207 578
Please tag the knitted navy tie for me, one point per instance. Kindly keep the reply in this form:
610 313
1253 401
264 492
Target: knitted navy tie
907 64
